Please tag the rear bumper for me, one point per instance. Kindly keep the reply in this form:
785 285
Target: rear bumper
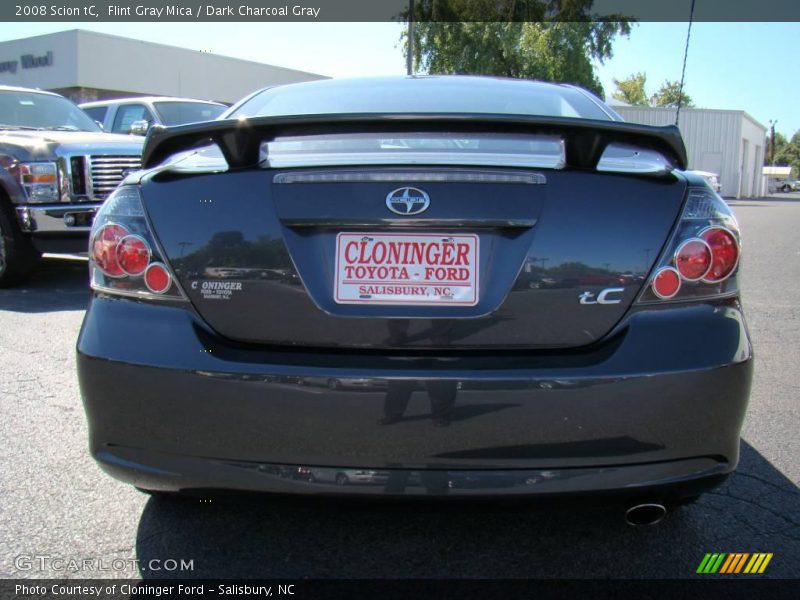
657 407
667 481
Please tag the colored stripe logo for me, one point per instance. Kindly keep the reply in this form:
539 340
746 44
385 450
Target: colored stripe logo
734 563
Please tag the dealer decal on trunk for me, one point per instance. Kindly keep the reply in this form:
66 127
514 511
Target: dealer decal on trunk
217 290
406 268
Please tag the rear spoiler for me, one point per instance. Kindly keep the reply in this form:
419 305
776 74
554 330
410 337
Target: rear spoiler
240 139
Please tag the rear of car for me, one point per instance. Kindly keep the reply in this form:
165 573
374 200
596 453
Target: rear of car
460 286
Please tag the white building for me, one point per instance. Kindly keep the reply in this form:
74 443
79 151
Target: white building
85 66
727 142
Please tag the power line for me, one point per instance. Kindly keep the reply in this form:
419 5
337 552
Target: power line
410 39
685 57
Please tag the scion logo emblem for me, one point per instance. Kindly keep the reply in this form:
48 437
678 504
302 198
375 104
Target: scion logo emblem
407 201
602 297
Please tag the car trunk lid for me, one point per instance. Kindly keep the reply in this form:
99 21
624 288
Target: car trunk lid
518 244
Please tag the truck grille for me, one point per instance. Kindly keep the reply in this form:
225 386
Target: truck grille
106 172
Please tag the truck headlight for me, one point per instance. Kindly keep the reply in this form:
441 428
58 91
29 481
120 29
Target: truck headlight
40 181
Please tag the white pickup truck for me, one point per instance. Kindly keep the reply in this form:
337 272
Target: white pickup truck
136 115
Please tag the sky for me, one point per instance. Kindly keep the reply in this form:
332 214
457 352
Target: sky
738 66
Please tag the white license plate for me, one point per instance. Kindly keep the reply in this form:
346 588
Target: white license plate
406 268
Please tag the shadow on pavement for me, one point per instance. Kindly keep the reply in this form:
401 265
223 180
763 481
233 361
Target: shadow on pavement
56 285
756 510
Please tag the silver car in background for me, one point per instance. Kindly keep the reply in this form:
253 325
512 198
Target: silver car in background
788 185
711 178
136 115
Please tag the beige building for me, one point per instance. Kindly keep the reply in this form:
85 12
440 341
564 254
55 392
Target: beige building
85 66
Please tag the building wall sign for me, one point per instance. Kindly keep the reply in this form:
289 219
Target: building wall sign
27 61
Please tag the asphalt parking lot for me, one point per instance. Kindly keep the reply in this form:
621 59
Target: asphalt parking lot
55 502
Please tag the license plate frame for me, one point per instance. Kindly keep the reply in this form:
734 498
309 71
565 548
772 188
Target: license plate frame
399 277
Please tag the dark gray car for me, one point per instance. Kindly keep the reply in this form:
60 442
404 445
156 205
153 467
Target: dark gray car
515 292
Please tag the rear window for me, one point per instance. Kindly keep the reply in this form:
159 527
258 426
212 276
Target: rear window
542 151
422 95
97 113
178 113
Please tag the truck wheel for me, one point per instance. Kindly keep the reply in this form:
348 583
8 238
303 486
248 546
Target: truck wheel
18 257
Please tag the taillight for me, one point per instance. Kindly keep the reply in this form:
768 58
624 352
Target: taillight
666 283
157 278
724 251
133 255
124 256
693 259
702 255
104 249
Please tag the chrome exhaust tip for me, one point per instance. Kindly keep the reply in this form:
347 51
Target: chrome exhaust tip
642 515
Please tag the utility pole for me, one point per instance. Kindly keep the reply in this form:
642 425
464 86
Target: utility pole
772 142
410 54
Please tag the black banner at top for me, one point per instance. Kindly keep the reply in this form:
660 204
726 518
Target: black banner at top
395 10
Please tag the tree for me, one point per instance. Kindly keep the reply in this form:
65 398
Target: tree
669 94
788 155
775 150
527 39
632 89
